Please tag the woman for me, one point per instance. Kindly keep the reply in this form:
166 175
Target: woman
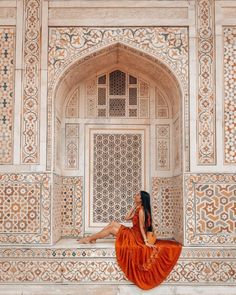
145 264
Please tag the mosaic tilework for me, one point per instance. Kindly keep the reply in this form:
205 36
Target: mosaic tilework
117 174
210 209
72 146
20 207
71 206
161 45
31 82
7 65
230 95
201 266
25 204
163 147
56 208
206 83
167 206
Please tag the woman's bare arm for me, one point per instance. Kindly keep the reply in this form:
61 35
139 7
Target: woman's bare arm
130 214
142 228
142 224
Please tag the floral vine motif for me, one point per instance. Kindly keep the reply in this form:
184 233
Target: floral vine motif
206 83
31 96
66 43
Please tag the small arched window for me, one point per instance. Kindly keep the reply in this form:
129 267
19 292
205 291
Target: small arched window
117 95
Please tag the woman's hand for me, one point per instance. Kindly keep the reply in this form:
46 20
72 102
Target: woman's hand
149 245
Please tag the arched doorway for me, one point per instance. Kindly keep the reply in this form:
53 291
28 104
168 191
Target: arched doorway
118 125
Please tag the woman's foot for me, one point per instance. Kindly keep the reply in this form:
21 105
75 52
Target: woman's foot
86 240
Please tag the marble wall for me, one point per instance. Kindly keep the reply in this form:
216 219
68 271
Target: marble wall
187 55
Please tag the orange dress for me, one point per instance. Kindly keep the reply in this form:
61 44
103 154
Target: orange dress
146 267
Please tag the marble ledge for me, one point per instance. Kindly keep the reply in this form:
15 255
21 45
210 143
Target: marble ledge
70 248
95 289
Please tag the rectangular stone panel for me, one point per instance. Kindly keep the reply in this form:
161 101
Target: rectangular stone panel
210 204
25 208
7 67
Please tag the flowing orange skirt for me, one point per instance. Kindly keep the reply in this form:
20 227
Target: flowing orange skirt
144 266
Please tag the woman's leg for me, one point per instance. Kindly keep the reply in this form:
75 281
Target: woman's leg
111 228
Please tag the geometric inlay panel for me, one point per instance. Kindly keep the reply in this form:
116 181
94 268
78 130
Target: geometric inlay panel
215 208
31 82
117 174
25 208
211 209
206 83
7 65
71 206
20 207
167 206
230 95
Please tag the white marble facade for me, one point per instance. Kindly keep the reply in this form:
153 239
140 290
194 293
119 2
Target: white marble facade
100 99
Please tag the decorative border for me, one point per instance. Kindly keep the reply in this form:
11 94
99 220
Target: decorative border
206 83
229 95
165 46
48 266
45 219
191 238
30 143
7 56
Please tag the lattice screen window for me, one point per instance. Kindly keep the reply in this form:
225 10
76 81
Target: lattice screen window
72 107
117 174
162 110
117 94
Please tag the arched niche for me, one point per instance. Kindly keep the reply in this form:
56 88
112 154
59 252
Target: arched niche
163 140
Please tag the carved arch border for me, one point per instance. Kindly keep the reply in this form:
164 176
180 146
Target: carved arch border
159 55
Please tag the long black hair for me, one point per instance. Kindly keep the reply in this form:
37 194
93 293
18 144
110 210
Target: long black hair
145 198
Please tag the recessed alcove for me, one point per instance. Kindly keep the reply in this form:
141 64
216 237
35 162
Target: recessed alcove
117 129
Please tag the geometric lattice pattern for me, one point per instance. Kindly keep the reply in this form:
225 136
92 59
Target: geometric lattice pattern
20 207
167 206
211 209
206 83
215 208
7 65
25 208
122 96
71 192
31 82
56 208
117 174
230 95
